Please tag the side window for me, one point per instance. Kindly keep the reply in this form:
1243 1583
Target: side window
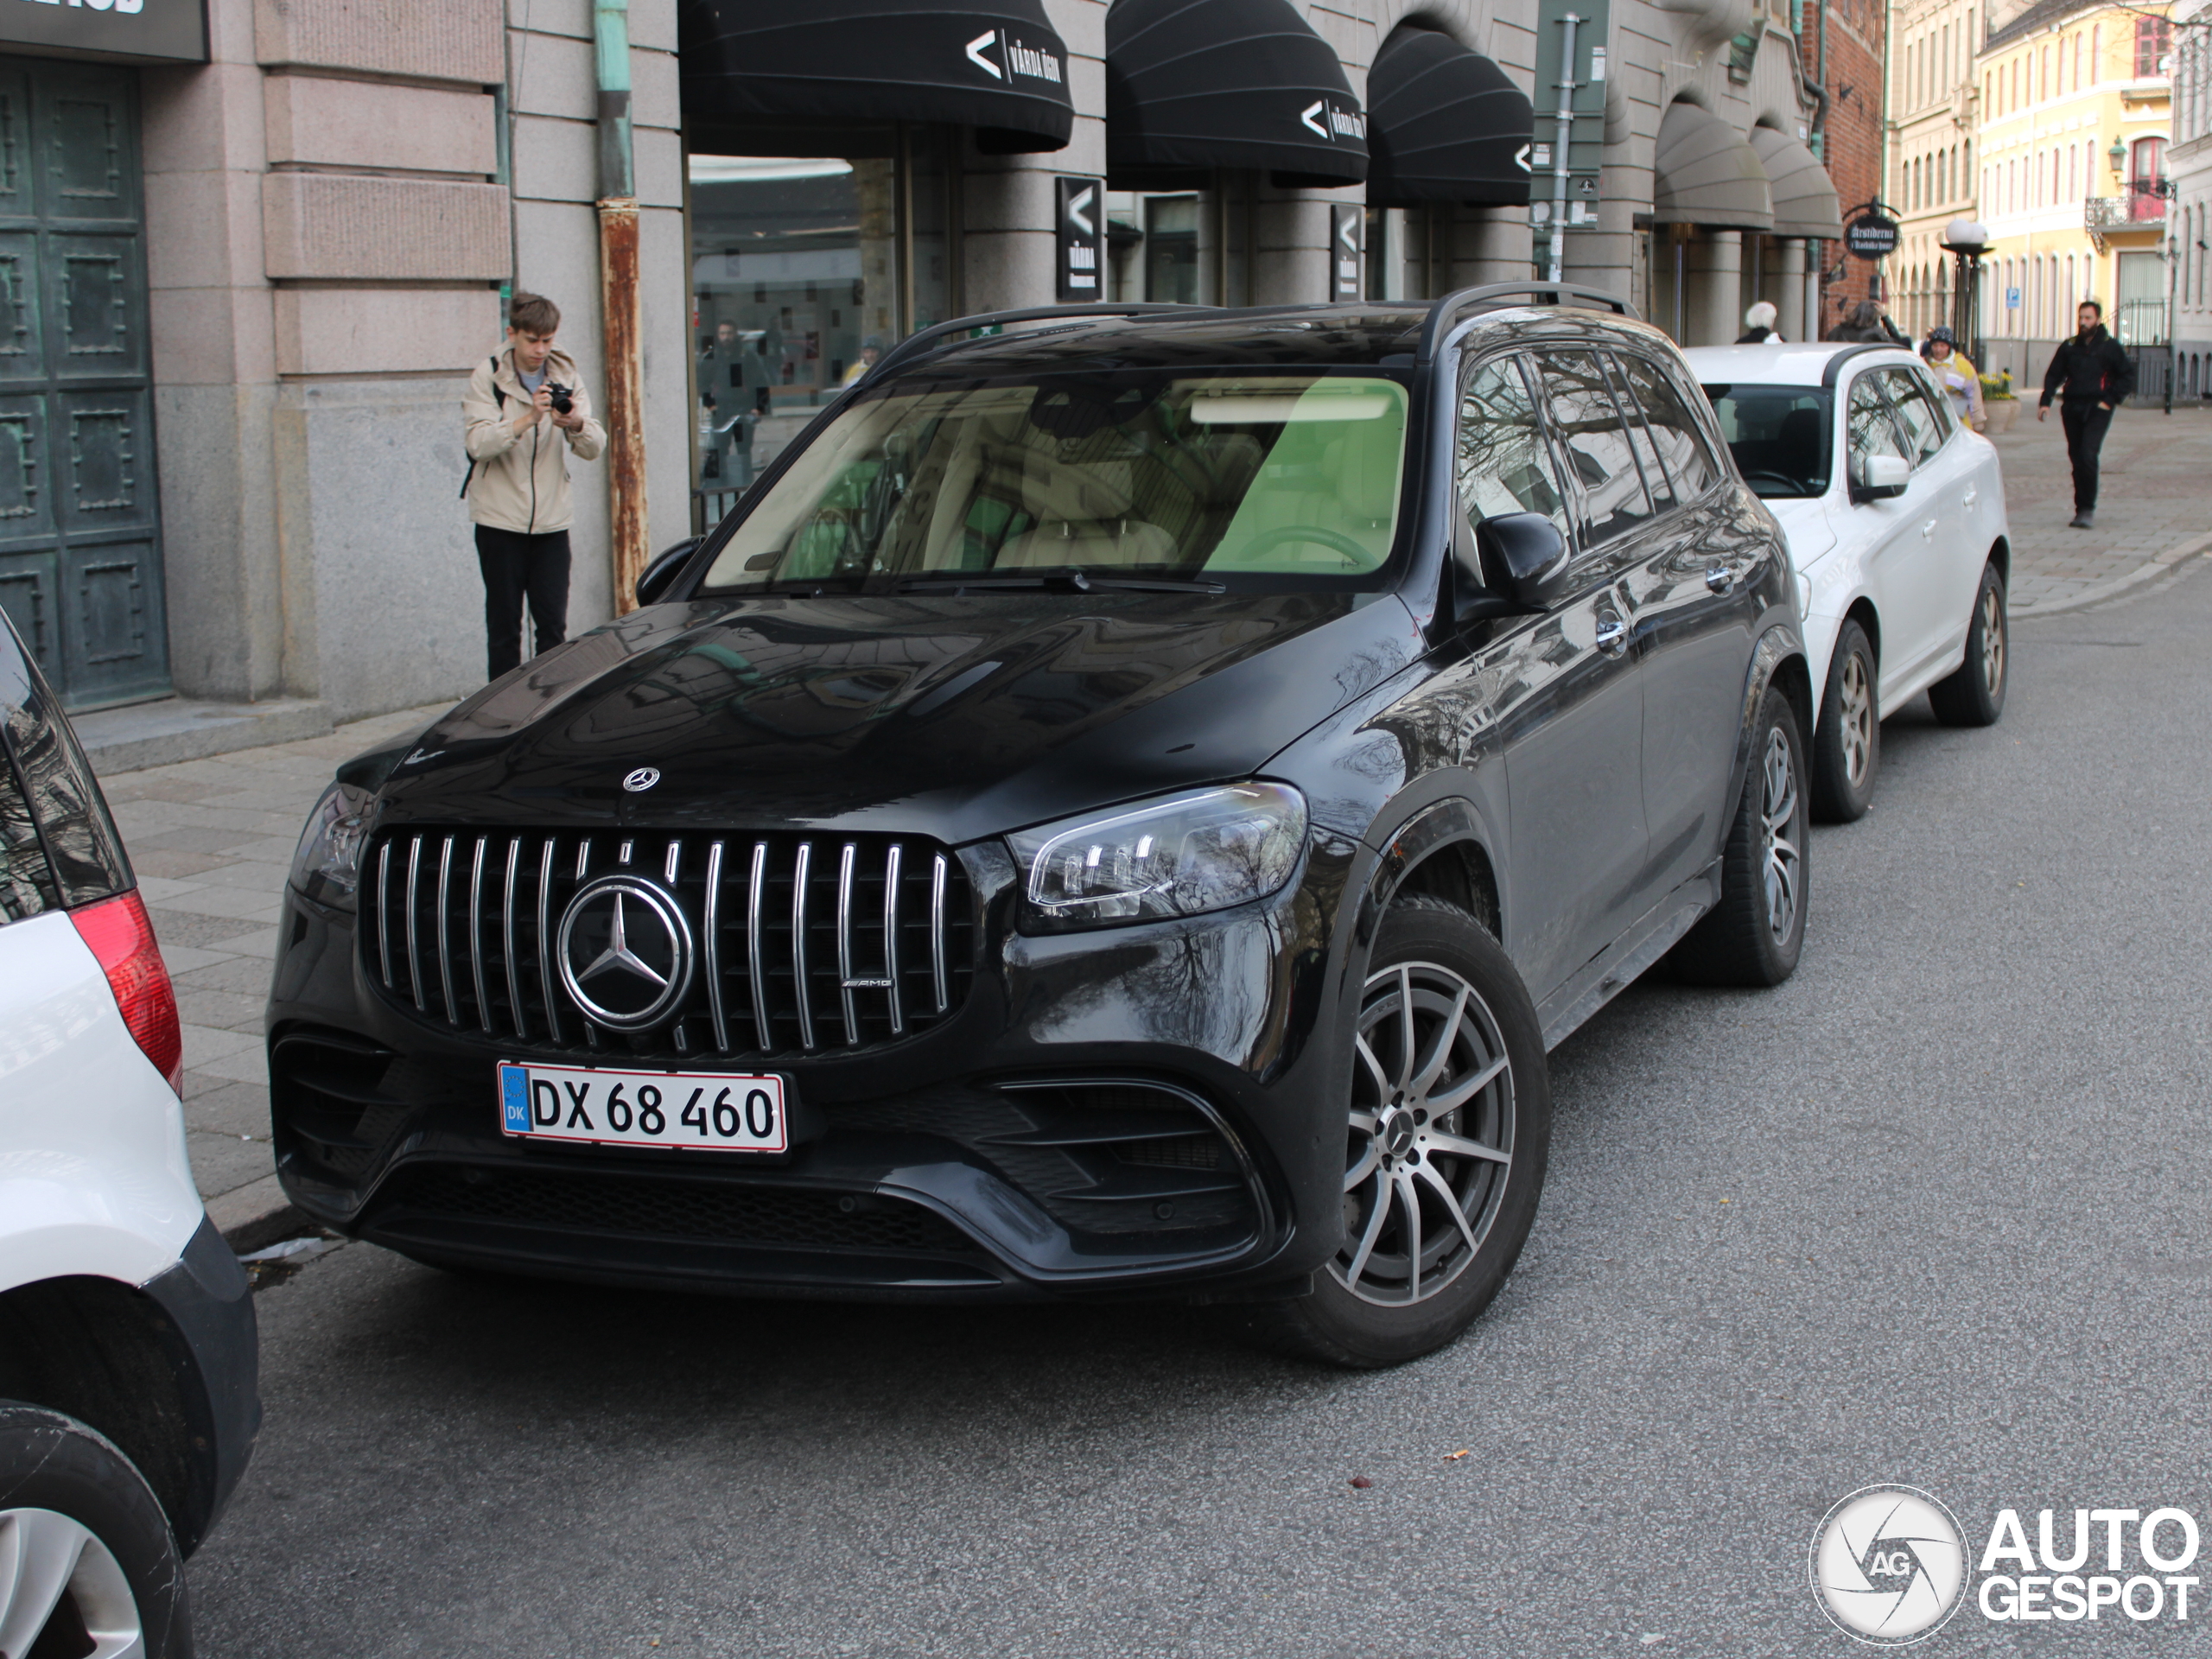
1655 476
1923 428
26 879
1502 458
1873 432
1674 430
1597 445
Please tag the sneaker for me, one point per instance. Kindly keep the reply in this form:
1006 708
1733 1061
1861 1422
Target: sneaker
2082 520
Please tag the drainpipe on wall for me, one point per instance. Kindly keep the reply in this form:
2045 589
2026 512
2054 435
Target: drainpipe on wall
618 305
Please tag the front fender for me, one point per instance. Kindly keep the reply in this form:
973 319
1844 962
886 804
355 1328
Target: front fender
1778 660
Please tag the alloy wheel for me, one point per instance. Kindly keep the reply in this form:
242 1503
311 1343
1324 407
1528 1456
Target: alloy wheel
1431 1138
1857 714
1992 639
1777 818
53 1572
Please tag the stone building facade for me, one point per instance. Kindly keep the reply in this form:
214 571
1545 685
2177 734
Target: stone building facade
296 221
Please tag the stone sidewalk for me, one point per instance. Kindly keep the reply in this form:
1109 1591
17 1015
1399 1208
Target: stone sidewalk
2154 507
213 839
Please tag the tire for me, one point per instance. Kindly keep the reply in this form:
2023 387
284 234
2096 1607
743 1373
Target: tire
1754 934
1974 696
1847 744
113 1567
1379 1302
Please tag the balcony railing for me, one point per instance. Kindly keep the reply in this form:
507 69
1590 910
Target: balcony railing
2143 203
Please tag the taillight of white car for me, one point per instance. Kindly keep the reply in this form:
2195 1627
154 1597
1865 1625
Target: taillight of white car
123 939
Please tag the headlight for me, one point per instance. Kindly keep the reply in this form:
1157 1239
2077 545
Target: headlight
328 867
1176 857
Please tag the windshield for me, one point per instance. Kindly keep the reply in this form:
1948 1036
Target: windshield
1133 474
1779 436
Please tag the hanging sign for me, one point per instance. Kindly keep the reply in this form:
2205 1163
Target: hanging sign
1347 245
1871 236
1082 222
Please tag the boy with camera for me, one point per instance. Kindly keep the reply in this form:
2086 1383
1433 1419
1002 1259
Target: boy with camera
524 414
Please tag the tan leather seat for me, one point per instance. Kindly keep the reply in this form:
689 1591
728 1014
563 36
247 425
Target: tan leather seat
1082 512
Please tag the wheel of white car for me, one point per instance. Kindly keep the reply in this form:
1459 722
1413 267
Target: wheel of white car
1847 744
88 1565
1974 696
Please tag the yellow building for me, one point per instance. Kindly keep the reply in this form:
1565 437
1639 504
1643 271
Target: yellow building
1931 175
2073 113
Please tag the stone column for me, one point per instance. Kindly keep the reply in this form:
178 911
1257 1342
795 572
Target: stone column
1290 262
1714 274
1007 247
1786 262
1491 244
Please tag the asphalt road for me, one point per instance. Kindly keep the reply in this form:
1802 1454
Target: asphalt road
1936 1211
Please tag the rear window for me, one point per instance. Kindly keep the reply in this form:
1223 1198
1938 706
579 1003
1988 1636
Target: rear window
59 840
1779 436
26 879
1148 474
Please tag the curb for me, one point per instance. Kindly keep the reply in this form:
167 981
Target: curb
163 733
254 1216
2158 564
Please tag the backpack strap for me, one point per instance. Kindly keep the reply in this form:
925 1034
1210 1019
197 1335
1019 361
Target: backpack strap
500 393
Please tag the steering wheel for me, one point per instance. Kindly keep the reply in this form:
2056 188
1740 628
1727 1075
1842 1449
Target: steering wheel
1269 540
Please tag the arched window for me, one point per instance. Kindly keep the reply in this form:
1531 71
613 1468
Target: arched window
2096 53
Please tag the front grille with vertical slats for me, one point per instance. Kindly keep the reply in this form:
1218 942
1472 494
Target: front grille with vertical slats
807 943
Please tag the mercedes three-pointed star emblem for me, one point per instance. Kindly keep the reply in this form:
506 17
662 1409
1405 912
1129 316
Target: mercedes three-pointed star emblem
624 951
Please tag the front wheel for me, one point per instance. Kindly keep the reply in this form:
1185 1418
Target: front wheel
1753 935
88 1565
1446 1138
1974 695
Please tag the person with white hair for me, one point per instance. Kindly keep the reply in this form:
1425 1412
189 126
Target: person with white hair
1758 323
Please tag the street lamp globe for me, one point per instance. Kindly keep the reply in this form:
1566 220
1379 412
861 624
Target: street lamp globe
1966 236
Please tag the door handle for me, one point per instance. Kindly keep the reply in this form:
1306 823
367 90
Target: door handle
1720 578
1612 635
1972 495
1928 530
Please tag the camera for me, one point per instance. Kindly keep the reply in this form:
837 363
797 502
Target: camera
563 400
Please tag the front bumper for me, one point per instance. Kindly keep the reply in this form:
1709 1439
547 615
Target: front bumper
1149 1109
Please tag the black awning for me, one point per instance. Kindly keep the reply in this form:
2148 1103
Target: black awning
1444 124
785 77
1192 85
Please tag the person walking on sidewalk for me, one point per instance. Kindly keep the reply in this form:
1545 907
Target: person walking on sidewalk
522 416
2090 376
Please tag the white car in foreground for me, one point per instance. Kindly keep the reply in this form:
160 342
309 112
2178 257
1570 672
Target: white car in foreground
128 1403
1895 516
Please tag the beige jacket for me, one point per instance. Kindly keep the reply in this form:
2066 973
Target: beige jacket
522 483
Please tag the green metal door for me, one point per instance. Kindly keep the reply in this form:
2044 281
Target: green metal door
81 559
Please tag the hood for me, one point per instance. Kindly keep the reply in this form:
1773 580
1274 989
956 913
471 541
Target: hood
1807 526
958 717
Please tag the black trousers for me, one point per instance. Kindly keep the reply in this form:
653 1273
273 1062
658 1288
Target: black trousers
2086 426
517 567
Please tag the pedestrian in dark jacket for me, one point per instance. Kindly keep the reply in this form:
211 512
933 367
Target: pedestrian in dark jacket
2089 374
1867 325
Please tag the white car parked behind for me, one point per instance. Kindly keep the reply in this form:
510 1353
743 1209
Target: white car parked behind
128 1403
1895 516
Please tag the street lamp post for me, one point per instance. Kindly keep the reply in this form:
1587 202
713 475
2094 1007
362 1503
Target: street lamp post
1966 240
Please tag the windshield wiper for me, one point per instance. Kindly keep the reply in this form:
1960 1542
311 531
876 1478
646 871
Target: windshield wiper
1076 582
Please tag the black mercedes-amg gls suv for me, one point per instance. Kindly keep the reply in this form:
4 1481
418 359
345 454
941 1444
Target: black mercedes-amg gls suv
1123 806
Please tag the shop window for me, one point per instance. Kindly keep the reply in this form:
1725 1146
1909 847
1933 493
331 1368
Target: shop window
803 270
1170 249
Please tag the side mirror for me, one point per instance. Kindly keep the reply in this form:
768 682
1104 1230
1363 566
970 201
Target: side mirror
1527 551
1881 476
662 573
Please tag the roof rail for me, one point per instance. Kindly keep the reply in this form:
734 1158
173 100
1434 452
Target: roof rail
919 341
1446 312
1834 368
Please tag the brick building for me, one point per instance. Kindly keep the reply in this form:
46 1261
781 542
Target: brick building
1841 43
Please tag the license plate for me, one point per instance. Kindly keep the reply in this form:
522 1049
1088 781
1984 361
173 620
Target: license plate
697 1111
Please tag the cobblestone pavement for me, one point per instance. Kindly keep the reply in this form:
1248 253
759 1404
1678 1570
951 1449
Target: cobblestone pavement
2154 507
213 839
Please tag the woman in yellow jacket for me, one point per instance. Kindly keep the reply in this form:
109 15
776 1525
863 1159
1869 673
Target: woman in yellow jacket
1958 378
